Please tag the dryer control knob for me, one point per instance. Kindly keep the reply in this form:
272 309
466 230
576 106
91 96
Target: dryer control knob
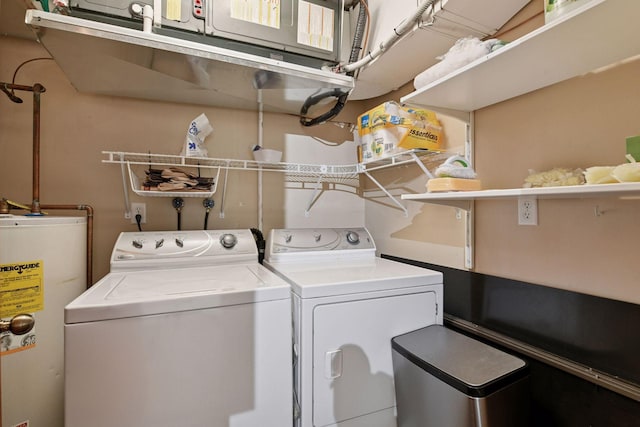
228 240
353 237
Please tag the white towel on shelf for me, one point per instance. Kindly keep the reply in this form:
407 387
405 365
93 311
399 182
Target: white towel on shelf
463 52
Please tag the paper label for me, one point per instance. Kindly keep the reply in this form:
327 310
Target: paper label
10 343
174 10
263 12
315 25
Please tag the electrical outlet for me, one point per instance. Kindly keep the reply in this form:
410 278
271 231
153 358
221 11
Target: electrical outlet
527 211
138 209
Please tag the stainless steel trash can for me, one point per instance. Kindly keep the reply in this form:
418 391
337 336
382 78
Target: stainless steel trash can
446 379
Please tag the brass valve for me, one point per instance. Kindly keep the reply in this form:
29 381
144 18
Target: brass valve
20 324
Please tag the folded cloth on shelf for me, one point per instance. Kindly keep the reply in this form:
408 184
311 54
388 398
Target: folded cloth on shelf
174 179
463 52
176 173
172 186
554 177
455 167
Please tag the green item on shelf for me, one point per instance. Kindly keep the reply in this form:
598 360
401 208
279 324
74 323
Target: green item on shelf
633 147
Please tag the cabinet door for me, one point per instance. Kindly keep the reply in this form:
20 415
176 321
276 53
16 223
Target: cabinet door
353 373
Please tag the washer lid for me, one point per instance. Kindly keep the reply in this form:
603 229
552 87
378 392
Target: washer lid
141 293
340 277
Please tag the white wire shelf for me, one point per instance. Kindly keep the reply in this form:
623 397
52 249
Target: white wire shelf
159 160
327 171
346 175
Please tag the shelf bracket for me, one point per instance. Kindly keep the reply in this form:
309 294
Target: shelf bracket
224 192
385 191
421 165
469 240
127 205
314 196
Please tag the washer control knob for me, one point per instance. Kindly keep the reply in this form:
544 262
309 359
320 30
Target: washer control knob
353 237
228 240
137 244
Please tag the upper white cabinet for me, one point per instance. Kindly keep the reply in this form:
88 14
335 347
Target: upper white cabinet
598 34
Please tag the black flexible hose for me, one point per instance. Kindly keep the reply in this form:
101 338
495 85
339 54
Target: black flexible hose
337 93
138 221
313 100
361 23
260 243
208 204
177 204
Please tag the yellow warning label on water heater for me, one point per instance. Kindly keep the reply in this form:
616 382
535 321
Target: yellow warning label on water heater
21 288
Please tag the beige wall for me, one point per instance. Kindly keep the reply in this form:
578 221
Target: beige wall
579 123
77 127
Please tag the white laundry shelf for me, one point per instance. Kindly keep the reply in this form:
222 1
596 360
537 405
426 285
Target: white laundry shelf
296 172
462 199
597 34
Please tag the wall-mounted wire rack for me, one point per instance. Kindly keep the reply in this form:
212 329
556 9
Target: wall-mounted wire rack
295 172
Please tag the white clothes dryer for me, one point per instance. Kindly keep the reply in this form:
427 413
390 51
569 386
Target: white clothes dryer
187 329
347 305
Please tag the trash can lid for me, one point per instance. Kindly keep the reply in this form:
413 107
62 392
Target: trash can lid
470 366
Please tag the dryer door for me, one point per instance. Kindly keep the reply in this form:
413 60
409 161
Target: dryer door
353 373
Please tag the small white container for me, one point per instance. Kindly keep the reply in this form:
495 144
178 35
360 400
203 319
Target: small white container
267 155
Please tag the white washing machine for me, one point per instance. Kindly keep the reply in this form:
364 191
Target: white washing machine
187 329
347 305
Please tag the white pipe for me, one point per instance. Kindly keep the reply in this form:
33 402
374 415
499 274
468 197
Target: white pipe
147 18
260 142
398 32
157 13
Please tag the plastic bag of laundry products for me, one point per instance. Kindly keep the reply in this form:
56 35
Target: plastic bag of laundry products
391 128
198 130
